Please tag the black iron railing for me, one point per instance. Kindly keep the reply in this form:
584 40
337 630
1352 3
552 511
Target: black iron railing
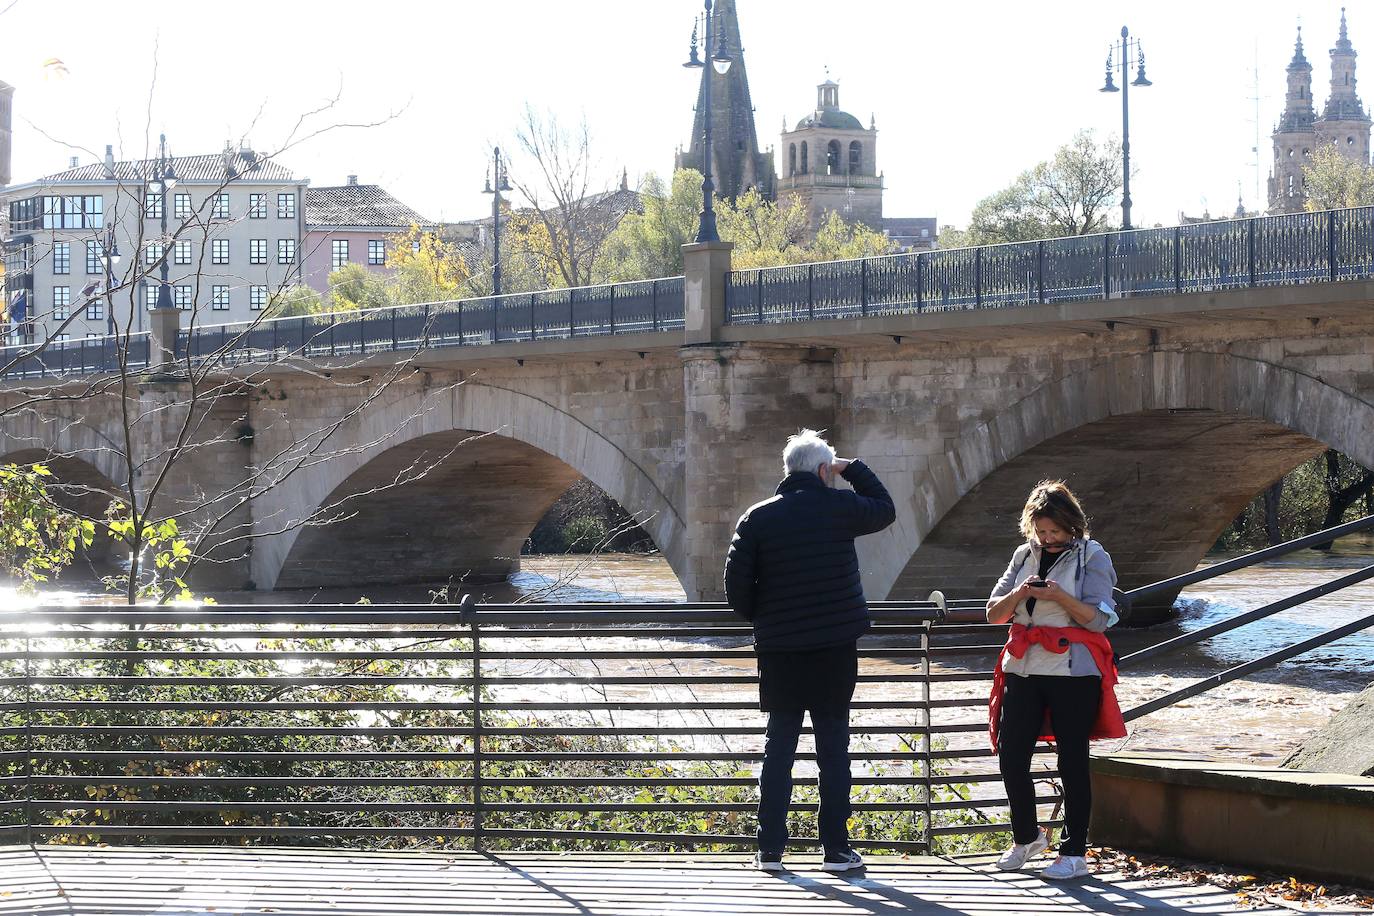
561 314
490 726
74 357
1296 248
638 307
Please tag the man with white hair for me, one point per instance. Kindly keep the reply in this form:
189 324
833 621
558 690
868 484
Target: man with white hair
792 571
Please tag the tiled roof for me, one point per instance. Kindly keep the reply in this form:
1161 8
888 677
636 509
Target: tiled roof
241 165
358 205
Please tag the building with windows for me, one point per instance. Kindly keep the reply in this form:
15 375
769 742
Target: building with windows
830 164
234 226
351 224
1344 123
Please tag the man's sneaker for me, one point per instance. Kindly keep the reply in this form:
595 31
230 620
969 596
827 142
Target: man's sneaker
768 861
1020 853
1066 867
842 861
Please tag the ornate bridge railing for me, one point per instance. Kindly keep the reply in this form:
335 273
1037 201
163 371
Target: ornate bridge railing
559 314
1292 249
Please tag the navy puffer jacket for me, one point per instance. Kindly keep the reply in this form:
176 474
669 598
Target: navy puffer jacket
792 569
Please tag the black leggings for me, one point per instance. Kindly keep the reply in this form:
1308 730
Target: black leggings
1072 703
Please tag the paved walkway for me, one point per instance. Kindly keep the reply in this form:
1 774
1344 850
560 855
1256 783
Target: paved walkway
72 881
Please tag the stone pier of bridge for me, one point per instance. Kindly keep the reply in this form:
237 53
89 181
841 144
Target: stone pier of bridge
1166 414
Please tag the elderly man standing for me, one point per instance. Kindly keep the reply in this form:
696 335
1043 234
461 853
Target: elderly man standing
792 571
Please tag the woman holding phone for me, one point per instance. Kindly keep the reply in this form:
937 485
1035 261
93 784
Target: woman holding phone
1055 678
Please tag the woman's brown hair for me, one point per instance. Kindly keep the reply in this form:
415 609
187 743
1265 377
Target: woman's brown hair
1053 500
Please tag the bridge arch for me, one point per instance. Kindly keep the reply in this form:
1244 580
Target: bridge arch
506 457
78 486
1165 447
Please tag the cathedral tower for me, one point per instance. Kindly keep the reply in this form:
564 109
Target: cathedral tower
829 162
1294 136
736 161
1344 121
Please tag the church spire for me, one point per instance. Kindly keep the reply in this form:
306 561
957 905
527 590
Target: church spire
1343 104
736 160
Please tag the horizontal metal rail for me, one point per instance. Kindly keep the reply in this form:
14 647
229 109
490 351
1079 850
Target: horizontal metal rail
487 726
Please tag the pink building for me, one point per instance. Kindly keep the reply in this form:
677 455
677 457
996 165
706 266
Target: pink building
350 224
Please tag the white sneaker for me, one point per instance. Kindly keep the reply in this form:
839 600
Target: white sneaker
1066 867
1020 853
768 864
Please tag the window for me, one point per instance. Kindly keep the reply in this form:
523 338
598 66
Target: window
286 251
219 298
152 206
92 336
62 338
61 257
832 158
95 310
182 252
791 160
286 206
95 263
219 251
257 298
376 251
856 157
181 206
152 254
339 253
61 302
804 164
25 215
257 206
78 212
221 209
150 295
181 297
257 251
415 246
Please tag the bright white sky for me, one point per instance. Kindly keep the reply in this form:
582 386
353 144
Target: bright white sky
966 94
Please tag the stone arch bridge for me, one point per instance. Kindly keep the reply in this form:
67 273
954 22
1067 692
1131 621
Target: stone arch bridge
1166 412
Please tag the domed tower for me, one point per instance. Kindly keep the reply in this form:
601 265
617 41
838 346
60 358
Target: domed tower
1344 121
1294 137
829 162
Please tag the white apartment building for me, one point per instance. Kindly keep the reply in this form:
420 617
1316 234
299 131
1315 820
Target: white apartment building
234 227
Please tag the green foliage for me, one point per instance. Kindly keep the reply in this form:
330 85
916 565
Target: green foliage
649 244
765 234
166 557
294 301
1333 181
1072 193
353 287
1305 503
38 539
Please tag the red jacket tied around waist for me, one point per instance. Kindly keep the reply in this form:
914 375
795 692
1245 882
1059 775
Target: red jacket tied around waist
1109 724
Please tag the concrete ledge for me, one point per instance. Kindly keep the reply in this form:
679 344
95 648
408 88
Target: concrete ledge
1319 825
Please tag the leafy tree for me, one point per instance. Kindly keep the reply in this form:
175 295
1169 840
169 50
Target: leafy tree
426 268
1072 193
765 234
353 287
1333 181
293 301
649 244
38 539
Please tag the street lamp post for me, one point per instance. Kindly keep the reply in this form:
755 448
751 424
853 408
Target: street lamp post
1124 48
495 185
720 61
110 257
163 180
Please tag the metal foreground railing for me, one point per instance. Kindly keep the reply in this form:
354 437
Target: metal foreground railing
625 726
598 727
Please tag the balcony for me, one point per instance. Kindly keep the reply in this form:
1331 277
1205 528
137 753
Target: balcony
815 180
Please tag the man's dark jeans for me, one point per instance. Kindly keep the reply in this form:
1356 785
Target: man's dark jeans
775 780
